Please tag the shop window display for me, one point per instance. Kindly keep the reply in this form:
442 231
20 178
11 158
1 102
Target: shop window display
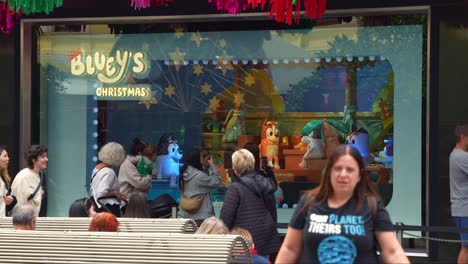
296 93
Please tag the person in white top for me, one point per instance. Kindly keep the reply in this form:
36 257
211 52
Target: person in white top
28 184
7 201
105 187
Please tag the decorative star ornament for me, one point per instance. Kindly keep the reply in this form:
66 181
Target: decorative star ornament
222 43
170 90
198 69
214 103
206 88
249 79
179 32
177 57
149 100
146 47
224 63
239 99
197 38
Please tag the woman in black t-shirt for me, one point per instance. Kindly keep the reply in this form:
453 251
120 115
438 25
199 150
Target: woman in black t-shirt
342 220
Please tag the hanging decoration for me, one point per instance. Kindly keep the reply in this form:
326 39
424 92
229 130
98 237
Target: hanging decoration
8 17
141 4
231 6
34 6
283 9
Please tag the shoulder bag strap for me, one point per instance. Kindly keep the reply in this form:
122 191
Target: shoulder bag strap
31 196
94 175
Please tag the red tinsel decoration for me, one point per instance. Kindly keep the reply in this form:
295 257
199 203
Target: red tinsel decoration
231 6
256 3
8 17
283 9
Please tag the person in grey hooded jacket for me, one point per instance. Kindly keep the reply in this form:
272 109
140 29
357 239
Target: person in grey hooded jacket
197 181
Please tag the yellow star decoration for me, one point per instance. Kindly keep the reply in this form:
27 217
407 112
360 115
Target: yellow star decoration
170 90
224 67
222 43
146 47
148 100
177 56
179 32
197 37
214 103
249 79
206 88
198 69
239 99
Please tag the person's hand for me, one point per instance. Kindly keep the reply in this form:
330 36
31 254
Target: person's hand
209 160
121 196
8 199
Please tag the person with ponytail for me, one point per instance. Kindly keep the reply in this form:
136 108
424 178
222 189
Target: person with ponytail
7 201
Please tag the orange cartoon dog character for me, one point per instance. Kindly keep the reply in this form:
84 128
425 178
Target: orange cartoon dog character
269 146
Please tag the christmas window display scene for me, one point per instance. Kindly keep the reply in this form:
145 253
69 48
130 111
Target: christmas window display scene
211 91
192 87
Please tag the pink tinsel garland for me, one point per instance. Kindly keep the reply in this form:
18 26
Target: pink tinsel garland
139 4
231 6
8 18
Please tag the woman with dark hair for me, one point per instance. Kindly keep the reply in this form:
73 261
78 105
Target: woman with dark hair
135 172
195 182
341 220
104 222
138 206
81 208
7 201
29 184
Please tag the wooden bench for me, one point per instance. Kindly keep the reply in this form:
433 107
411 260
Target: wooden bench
103 247
81 224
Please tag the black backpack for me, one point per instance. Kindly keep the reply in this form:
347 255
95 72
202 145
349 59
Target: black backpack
161 206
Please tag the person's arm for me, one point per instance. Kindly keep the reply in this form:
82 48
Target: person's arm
390 249
11 205
291 249
210 180
230 205
133 177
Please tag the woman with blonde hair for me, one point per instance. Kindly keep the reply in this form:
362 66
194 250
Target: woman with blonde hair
246 204
214 226
342 220
7 201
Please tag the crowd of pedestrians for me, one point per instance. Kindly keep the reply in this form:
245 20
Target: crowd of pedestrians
343 218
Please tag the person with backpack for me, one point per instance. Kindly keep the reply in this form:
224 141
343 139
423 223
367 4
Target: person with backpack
342 220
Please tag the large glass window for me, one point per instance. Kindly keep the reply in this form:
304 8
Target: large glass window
212 85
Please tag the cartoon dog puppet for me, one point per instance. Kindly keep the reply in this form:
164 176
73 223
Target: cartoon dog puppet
167 160
269 146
